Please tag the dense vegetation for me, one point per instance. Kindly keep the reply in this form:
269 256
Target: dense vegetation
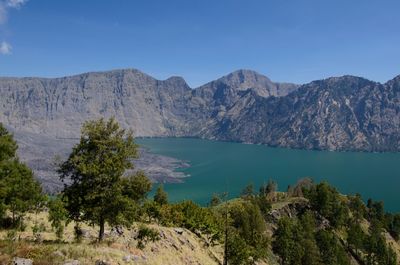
319 225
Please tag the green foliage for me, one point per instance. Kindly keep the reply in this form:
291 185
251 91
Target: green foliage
98 193
152 210
327 201
376 247
136 187
239 252
8 146
355 236
297 241
248 221
189 215
161 197
248 191
332 252
19 191
58 216
146 234
215 200
376 210
393 225
357 207
284 244
268 188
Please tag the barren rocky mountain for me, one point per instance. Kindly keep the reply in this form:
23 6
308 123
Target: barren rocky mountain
341 113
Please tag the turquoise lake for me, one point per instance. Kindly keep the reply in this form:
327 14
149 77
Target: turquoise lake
219 166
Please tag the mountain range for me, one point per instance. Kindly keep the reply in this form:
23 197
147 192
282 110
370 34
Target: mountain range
345 113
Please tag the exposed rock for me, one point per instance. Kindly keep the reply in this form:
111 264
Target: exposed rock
127 258
289 210
341 113
21 261
72 262
117 231
179 231
58 253
102 262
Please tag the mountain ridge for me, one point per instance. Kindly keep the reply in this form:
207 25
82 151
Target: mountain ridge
340 113
170 107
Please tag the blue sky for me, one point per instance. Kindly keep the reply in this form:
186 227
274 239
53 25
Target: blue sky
287 40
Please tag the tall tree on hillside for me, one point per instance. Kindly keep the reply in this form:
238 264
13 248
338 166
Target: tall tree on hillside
97 192
19 191
161 197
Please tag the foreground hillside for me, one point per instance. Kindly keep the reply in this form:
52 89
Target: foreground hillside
174 246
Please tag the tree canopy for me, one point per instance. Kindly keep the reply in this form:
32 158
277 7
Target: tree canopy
19 191
96 191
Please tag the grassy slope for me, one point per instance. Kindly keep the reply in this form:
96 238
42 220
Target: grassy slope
173 248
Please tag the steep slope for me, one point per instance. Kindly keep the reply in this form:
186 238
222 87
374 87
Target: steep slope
58 107
344 113
340 113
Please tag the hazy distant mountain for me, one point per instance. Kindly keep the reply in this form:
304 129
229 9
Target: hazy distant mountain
341 113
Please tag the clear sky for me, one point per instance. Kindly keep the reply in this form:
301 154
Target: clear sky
287 40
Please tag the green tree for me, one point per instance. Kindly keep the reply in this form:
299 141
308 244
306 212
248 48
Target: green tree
215 200
284 244
328 202
161 197
57 216
377 249
136 187
238 252
248 191
8 146
355 236
357 207
332 252
306 240
19 191
97 192
394 226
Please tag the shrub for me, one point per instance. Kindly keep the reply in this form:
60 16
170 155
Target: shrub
146 234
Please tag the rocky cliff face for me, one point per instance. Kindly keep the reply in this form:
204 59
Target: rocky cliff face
344 113
341 113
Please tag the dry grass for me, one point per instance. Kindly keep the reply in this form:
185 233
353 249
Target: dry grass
173 248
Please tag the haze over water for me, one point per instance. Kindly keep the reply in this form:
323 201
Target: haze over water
219 166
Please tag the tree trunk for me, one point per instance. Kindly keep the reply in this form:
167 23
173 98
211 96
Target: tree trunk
101 231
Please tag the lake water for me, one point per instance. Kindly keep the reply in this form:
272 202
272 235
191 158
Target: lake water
219 166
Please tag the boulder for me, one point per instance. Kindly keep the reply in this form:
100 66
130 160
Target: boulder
117 231
178 231
21 261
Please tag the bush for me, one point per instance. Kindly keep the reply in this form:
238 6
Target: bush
146 234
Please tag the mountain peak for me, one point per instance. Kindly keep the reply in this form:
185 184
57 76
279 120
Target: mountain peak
176 81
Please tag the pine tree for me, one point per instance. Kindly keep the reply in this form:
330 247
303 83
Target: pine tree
161 197
98 192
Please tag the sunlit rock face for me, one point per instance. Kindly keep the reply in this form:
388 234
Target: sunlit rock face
341 113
